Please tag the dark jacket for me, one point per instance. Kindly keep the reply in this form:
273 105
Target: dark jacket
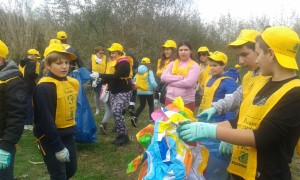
13 104
30 74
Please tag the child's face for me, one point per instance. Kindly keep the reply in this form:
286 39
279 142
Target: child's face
184 52
168 52
60 68
215 68
264 60
247 57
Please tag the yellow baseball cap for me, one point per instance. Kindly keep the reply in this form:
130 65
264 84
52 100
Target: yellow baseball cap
61 35
146 60
169 44
218 56
58 48
57 41
3 50
237 66
203 49
34 52
246 35
115 47
285 43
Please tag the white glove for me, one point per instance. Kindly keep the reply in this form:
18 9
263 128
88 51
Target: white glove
94 83
94 75
63 155
156 102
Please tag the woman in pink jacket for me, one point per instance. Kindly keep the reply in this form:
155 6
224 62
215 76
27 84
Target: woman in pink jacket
181 76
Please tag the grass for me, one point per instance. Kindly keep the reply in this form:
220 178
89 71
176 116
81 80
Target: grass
101 160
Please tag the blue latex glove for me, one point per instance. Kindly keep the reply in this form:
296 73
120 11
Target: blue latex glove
207 114
5 158
197 131
225 148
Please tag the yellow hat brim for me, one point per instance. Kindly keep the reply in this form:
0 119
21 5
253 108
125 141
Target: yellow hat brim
286 61
238 42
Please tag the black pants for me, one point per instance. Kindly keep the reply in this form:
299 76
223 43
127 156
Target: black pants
8 173
56 169
143 99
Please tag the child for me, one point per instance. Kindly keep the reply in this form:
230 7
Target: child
267 129
54 102
13 104
146 84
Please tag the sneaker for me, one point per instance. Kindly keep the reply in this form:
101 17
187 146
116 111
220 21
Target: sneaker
134 121
121 140
103 127
131 110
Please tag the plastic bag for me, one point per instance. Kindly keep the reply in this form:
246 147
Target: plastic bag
86 129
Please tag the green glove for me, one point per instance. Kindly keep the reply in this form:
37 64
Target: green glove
197 131
225 148
207 114
5 158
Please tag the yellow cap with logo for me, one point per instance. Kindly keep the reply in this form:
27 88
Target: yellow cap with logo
237 66
115 47
61 35
285 43
57 41
203 49
218 56
246 35
58 48
3 50
169 44
33 52
146 60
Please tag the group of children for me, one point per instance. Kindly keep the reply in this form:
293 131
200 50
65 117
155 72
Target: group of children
261 138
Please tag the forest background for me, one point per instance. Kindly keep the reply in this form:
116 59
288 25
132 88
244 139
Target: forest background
141 26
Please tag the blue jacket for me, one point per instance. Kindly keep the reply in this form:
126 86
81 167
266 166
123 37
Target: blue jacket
226 87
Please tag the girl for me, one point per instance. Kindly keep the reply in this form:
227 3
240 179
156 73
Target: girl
54 102
119 84
168 55
181 76
145 83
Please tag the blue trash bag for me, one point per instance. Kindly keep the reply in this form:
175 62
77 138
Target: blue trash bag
217 164
86 129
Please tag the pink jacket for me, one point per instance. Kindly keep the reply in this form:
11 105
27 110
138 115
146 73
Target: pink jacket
180 86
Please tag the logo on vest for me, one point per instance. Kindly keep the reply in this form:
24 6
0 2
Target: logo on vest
243 157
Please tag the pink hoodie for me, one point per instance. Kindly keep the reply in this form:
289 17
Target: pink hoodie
180 86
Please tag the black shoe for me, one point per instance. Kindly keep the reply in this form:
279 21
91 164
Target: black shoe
103 127
131 110
134 121
121 140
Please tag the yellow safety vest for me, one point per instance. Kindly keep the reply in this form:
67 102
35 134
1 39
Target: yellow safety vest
209 93
67 92
203 75
131 65
248 81
176 70
22 69
100 68
244 159
37 67
110 69
142 81
159 70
